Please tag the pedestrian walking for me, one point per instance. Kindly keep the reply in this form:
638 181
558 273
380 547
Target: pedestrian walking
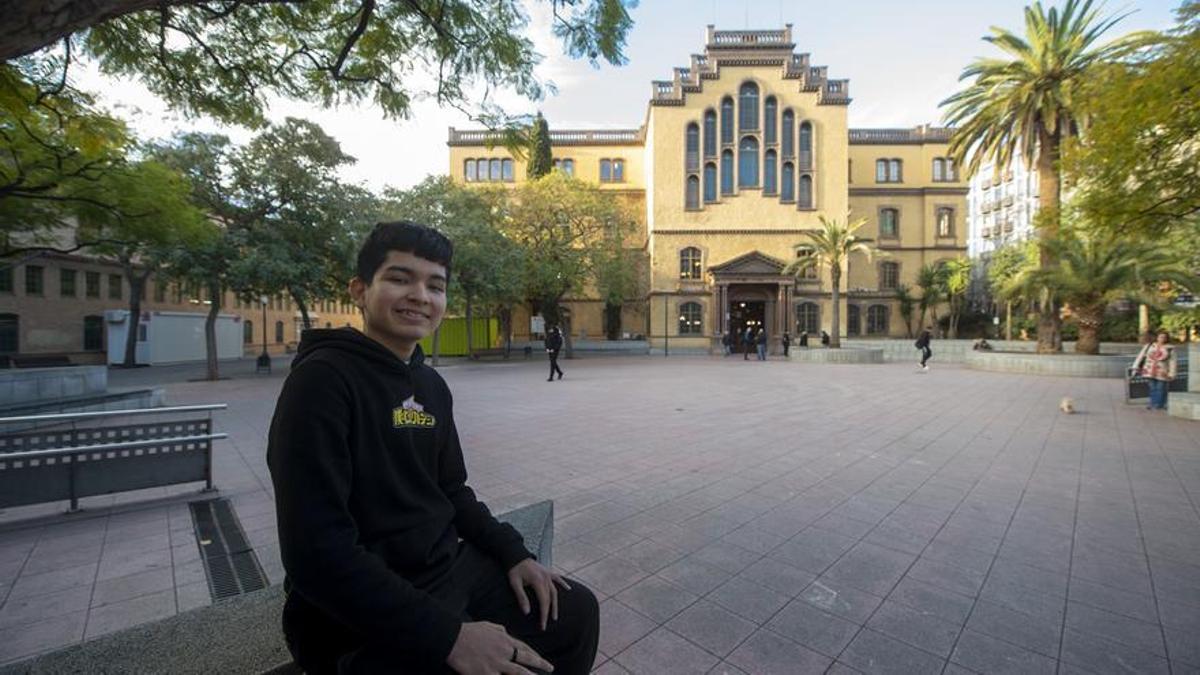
922 343
747 342
554 343
824 339
787 342
727 343
760 340
1158 364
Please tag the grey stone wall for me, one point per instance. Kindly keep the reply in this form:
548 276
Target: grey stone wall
19 385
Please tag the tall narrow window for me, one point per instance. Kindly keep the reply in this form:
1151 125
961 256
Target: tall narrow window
787 131
114 286
693 148
889 222
710 133
748 107
6 279
770 178
939 169
877 320
690 314
10 333
727 172
727 120
689 263
805 201
618 168
693 192
710 182
787 183
606 169
808 318
748 162
889 276
91 281
34 282
160 291
806 154
278 331
951 170
247 332
507 170
945 222
770 112
853 320
469 171
93 333
66 283
881 171
894 173
495 170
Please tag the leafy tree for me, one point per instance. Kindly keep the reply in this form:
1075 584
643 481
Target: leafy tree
1005 264
955 280
1138 165
831 247
1097 269
907 304
541 158
226 58
618 277
557 221
1027 105
929 280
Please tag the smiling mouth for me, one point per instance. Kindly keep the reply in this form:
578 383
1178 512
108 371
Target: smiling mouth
412 314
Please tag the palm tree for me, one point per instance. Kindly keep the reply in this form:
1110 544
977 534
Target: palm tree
1026 104
1096 270
956 279
907 304
929 280
831 247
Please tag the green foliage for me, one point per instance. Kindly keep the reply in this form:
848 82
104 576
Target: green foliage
227 59
831 247
1007 263
929 280
1138 165
907 304
541 158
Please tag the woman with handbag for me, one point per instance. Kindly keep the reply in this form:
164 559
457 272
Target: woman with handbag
1157 363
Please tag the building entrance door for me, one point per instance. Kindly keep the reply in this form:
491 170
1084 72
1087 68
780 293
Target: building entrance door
744 314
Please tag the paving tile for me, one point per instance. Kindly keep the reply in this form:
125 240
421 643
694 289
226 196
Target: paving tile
41 562
778 576
118 615
873 652
694 576
611 575
961 580
663 652
915 628
193 595
1103 656
48 582
840 599
134 585
959 556
754 539
748 599
649 555
1136 605
610 667
985 654
724 668
620 626
813 549
1132 632
35 608
870 568
125 564
726 556
1035 633
26 640
656 598
844 525
932 600
574 554
813 628
767 653
712 627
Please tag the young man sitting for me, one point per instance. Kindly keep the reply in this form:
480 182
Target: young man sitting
372 501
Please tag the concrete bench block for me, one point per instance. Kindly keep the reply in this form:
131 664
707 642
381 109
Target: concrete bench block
1184 405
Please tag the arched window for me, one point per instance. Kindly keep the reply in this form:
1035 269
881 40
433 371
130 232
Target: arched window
748 162
727 120
727 172
247 332
806 153
939 169
787 132
710 182
889 222
508 170
710 133
278 331
945 221
808 318
10 330
806 192
469 171
693 148
748 107
877 320
689 263
770 113
853 320
93 333
690 314
693 192
889 276
787 183
770 179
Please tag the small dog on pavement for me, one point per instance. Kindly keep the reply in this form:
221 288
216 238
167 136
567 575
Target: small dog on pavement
1067 405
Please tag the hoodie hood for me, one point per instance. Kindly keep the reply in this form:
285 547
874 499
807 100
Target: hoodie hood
354 341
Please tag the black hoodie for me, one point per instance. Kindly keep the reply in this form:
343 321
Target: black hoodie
371 494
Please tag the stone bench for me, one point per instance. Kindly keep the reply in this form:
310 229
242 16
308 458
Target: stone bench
239 635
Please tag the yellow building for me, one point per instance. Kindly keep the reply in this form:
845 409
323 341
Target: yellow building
738 155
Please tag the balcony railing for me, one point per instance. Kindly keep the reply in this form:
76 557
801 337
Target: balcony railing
557 137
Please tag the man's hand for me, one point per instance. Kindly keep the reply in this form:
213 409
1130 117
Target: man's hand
530 573
484 648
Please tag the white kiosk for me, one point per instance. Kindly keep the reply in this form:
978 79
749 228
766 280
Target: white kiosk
171 337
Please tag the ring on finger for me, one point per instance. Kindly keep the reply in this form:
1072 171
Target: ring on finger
514 655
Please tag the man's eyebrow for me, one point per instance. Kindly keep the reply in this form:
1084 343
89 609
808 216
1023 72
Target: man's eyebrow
410 271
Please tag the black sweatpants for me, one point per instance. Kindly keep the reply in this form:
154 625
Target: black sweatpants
926 354
478 590
554 364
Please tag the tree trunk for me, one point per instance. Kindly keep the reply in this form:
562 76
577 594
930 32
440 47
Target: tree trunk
304 317
1090 319
565 316
470 330
210 329
506 326
1143 320
835 335
436 347
136 286
1049 337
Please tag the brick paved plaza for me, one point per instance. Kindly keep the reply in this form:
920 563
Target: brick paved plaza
743 517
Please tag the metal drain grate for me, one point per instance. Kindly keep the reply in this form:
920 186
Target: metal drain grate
229 561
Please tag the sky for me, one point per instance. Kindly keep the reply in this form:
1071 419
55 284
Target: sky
901 57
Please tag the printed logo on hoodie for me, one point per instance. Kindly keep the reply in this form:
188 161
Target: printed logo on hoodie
412 414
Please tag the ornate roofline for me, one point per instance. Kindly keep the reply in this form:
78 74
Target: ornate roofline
913 136
558 137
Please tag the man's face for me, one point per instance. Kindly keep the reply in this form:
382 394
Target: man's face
405 301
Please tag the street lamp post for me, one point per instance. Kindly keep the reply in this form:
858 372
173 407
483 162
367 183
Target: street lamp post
264 359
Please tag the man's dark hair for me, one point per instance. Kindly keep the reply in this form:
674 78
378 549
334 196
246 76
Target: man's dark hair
404 236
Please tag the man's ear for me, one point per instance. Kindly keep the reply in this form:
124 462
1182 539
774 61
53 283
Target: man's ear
357 288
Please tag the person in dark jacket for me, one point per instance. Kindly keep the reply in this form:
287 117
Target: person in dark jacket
824 339
804 339
747 342
787 342
760 340
922 343
554 345
392 563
